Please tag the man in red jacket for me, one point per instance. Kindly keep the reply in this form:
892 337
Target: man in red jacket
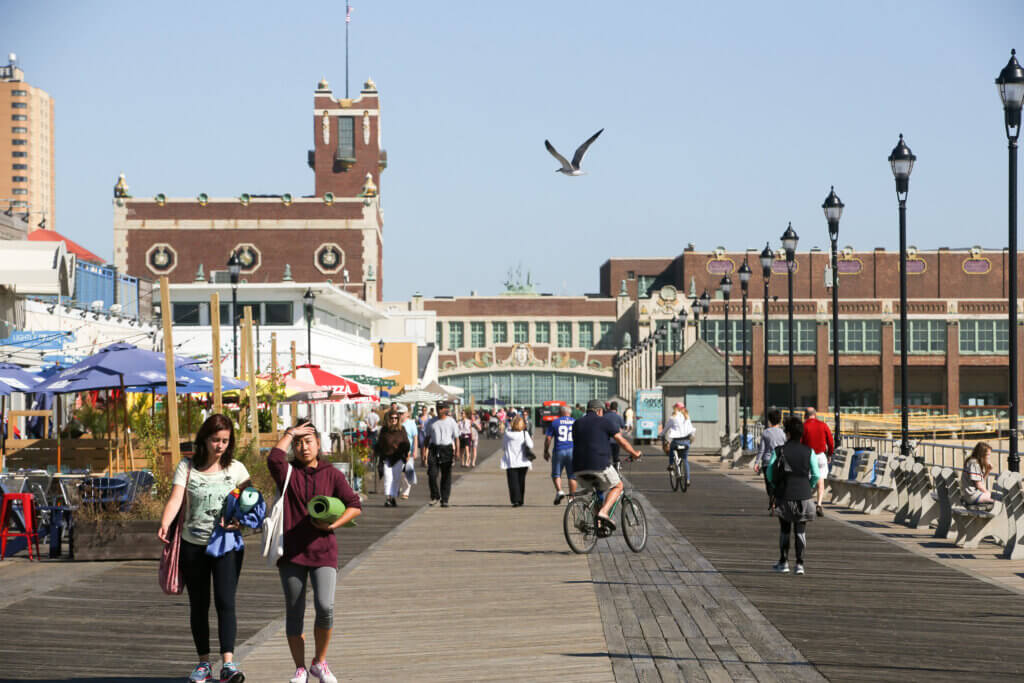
817 435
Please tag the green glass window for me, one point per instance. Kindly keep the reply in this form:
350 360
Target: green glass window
564 335
778 336
542 333
476 335
984 336
455 336
346 138
858 336
499 333
520 332
586 332
716 335
926 336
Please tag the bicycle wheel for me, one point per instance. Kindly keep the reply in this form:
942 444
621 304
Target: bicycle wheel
673 472
580 526
634 524
684 482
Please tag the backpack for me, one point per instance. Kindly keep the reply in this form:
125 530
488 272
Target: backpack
781 469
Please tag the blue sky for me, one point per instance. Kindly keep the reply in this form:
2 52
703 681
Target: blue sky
723 120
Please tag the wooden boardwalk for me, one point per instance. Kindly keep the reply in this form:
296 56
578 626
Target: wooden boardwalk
868 609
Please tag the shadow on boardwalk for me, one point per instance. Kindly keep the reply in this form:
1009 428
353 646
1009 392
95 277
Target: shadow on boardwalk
867 609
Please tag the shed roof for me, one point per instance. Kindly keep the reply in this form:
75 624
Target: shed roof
701 365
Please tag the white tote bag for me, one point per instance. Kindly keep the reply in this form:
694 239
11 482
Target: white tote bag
273 527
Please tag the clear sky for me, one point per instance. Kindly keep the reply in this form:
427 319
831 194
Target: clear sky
723 120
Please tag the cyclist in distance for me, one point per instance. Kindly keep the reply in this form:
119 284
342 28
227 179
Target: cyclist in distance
559 433
592 435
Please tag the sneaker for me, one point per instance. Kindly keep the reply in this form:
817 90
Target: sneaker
301 676
444 503
558 497
201 673
799 569
229 673
781 567
322 672
820 511
433 502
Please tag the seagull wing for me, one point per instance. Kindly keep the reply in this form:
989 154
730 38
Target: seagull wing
578 156
554 152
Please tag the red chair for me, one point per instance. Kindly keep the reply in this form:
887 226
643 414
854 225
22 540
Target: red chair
28 513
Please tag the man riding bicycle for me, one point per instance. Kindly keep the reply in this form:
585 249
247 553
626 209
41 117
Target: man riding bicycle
592 435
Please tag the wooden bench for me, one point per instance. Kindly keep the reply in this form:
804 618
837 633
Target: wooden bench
974 523
836 479
924 509
1013 505
877 495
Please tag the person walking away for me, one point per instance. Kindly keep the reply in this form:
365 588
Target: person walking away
794 475
513 459
392 449
465 438
817 434
628 416
592 456
975 475
678 432
412 431
613 416
474 438
310 547
559 435
442 437
771 438
207 479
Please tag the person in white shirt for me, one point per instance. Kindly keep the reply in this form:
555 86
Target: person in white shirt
442 439
514 460
678 431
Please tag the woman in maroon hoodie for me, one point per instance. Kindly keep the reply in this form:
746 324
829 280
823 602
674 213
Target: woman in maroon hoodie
310 548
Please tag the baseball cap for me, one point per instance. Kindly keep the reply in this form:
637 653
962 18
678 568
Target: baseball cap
595 404
401 409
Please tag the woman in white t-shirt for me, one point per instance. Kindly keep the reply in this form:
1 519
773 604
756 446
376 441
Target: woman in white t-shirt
207 479
977 467
678 432
514 460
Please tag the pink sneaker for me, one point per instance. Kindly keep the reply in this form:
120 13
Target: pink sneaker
322 672
300 676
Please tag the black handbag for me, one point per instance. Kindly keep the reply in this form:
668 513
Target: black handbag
528 454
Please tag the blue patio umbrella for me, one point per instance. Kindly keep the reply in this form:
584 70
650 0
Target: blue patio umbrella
113 367
18 379
193 380
5 390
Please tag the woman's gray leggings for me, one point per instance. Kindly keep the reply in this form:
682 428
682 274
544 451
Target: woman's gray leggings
293 581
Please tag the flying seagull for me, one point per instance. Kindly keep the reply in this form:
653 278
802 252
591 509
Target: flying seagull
574 167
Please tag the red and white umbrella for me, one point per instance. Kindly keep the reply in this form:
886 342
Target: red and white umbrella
340 387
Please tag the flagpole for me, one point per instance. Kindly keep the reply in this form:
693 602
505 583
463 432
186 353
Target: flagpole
348 10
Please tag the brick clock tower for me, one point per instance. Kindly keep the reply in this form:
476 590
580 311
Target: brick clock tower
333 234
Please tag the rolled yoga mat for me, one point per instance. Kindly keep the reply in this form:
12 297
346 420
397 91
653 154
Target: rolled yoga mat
327 509
248 499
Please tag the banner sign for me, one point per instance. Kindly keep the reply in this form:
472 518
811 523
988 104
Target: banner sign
48 340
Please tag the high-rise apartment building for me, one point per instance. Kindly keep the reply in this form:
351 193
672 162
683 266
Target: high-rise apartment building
26 149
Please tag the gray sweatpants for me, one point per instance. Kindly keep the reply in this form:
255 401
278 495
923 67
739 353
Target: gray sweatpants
293 581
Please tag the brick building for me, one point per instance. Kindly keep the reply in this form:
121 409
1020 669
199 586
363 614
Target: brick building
333 234
957 310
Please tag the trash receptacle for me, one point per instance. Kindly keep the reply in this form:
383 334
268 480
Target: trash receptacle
858 454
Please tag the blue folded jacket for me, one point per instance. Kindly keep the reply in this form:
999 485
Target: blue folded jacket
223 540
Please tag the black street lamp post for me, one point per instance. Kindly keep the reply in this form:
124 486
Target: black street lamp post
745 274
234 269
1011 91
307 299
380 347
673 327
902 162
833 208
767 260
789 240
726 285
680 332
705 306
695 307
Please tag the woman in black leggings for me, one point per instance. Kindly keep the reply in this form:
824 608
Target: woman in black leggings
207 479
793 474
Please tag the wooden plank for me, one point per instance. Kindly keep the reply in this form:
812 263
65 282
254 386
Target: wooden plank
172 388
218 394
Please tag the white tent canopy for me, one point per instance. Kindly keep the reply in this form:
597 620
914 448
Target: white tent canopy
37 268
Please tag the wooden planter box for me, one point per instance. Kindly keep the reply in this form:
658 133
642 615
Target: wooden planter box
111 540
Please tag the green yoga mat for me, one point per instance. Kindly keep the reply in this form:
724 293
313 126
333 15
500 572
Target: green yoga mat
326 509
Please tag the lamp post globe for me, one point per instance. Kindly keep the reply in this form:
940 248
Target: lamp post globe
833 208
901 160
307 300
789 242
695 307
1011 91
234 270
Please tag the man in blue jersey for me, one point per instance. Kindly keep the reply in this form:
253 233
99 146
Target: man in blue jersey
559 434
592 456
